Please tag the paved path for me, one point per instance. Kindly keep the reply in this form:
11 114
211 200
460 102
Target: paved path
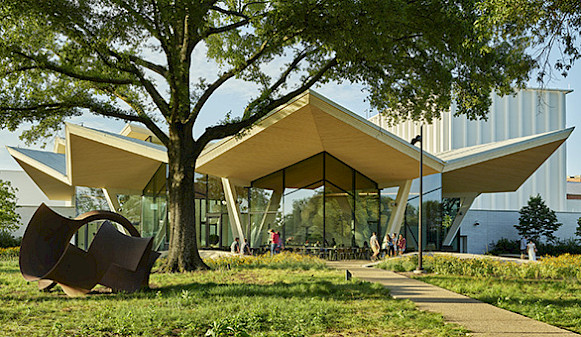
480 318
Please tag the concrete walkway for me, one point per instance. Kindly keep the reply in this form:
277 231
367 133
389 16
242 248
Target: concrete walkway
480 318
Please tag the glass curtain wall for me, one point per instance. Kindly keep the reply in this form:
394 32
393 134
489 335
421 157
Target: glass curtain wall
318 201
154 209
437 217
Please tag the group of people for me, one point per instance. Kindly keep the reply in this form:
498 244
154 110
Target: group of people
391 246
243 249
528 246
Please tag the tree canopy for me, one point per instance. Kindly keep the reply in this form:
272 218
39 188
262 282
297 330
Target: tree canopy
132 60
537 220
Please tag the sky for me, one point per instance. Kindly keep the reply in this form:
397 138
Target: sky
234 95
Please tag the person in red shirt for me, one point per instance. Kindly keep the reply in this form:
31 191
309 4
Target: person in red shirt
273 239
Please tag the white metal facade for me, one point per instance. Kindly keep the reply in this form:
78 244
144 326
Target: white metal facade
529 112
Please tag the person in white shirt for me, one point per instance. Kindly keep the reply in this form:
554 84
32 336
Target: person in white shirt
532 250
235 246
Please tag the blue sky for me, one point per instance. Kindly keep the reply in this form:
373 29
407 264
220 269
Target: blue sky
235 94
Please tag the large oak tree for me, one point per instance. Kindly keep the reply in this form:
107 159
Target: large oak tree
132 60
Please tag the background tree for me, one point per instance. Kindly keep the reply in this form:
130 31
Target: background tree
537 220
132 60
9 219
578 229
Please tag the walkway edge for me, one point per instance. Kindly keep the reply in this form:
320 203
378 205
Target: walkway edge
480 318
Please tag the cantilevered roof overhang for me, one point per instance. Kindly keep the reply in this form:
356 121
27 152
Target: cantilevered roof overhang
498 167
107 160
308 125
47 170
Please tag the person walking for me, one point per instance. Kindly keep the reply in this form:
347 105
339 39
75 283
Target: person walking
532 250
374 245
523 247
401 244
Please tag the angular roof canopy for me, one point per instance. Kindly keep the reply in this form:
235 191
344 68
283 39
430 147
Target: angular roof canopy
498 167
308 125
47 170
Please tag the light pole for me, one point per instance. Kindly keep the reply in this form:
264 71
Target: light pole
419 138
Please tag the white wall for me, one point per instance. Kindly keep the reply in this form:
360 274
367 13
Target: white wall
495 225
30 197
530 112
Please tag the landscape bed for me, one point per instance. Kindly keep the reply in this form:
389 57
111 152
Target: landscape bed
288 295
548 290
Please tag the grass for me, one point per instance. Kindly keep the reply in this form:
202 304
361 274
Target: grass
548 291
286 297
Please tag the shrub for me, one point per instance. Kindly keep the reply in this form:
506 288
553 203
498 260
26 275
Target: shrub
7 240
566 266
9 253
556 248
279 261
505 246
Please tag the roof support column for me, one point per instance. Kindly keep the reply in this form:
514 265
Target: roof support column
233 210
401 200
465 203
114 206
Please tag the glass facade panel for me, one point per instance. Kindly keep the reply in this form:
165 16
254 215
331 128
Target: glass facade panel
339 224
303 216
325 202
154 209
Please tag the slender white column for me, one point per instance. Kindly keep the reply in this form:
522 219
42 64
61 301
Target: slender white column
234 215
465 203
114 206
396 218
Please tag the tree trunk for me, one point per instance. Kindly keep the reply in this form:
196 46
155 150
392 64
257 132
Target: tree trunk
183 246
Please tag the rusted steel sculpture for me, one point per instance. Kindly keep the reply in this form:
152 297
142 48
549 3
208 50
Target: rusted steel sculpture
115 260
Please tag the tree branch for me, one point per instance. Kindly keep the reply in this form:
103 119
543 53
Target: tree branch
260 110
159 69
145 119
43 64
226 76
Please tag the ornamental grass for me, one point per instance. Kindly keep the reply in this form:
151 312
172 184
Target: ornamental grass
283 260
565 266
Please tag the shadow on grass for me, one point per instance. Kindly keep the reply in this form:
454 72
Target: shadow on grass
320 289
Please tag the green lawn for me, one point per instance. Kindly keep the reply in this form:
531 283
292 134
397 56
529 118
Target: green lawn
548 291
255 300
556 302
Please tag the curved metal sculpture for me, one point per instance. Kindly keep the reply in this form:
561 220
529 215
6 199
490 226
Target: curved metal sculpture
114 259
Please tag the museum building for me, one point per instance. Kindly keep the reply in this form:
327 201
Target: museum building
311 169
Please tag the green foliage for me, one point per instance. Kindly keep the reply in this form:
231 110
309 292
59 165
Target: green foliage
284 260
578 229
565 266
506 246
537 220
235 302
7 240
9 219
555 302
554 248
